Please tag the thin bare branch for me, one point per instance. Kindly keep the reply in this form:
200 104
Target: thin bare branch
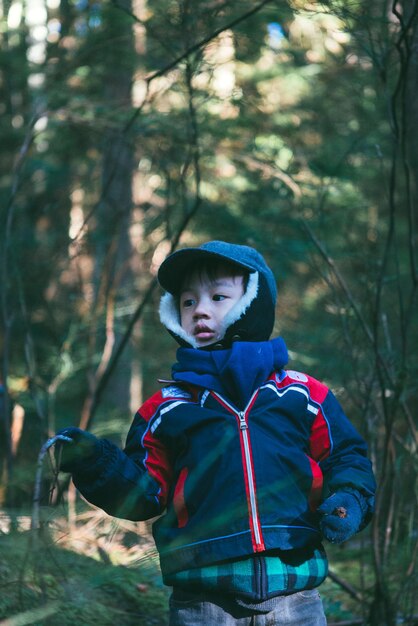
35 522
346 586
6 272
384 367
202 42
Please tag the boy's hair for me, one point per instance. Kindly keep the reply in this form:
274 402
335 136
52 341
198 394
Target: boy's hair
173 269
212 268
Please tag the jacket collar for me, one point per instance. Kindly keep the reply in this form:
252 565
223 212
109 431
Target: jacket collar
235 372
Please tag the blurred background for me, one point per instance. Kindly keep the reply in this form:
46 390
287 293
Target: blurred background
130 128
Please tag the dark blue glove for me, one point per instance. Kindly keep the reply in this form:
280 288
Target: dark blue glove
342 515
70 455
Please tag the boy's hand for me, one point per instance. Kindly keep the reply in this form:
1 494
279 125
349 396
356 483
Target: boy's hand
341 516
70 454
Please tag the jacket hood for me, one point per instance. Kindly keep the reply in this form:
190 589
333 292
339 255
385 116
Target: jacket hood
251 319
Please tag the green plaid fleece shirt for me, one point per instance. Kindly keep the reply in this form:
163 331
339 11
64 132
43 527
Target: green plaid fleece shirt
258 577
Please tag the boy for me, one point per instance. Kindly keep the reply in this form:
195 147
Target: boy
248 465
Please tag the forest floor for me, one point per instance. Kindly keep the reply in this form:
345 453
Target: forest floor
98 570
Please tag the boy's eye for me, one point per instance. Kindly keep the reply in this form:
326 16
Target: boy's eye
218 297
188 302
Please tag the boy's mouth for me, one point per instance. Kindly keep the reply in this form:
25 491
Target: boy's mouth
203 333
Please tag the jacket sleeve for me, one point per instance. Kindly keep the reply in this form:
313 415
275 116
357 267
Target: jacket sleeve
342 454
132 483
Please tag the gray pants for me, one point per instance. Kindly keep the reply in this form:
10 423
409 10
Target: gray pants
303 608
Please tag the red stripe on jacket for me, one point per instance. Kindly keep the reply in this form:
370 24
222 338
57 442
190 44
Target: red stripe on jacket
156 459
179 502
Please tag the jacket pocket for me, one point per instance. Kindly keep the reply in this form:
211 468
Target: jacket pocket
179 502
315 494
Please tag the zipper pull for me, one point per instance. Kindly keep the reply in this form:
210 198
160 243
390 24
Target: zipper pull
242 423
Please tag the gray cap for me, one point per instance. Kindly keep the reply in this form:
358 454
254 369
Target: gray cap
173 269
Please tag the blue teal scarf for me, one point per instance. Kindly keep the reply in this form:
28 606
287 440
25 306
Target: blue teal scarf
234 373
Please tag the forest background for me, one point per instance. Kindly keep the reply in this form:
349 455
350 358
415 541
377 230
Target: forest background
129 128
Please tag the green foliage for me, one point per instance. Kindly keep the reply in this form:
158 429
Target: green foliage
48 585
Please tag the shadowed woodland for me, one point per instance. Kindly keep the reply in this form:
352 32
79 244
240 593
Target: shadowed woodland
130 128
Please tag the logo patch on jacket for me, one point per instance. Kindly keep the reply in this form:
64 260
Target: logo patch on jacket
297 376
174 392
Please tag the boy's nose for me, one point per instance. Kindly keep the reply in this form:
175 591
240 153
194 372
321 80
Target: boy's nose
201 309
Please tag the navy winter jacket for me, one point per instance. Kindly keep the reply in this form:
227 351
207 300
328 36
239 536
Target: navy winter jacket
226 482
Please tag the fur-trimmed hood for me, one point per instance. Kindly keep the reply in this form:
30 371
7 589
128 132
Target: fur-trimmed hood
250 319
170 314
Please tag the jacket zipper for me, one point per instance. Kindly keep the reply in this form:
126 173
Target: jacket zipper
248 469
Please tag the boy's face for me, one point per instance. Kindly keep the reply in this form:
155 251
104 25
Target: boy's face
204 302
